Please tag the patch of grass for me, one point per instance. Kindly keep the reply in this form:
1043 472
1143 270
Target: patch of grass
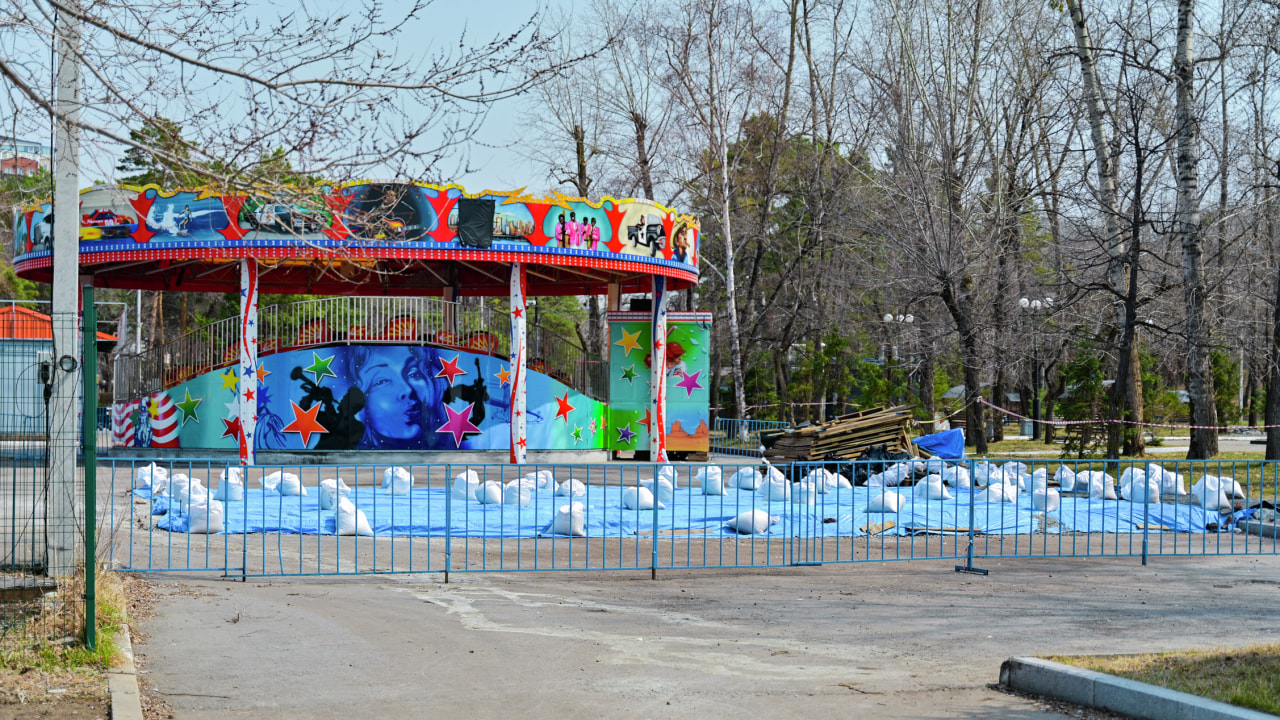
50 634
1248 677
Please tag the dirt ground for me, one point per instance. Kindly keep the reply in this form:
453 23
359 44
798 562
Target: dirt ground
33 694
900 640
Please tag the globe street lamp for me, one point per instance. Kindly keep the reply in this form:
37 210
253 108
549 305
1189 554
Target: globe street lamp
1038 309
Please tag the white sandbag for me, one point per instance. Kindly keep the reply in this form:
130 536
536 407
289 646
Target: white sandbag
982 472
272 481
997 493
931 488
1100 485
901 474
204 517
489 492
957 477
350 520
1127 477
1038 480
397 481
844 482
571 488
1066 478
775 487
330 490
285 483
805 492
528 484
822 480
1046 500
518 492
710 480
933 466
151 476
570 520
669 473
187 491
1141 489
464 485
745 479
1015 469
1216 493
230 486
664 492
886 502
751 522
1170 482
637 498
542 479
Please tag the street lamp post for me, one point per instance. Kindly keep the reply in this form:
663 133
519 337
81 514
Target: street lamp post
891 350
1038 308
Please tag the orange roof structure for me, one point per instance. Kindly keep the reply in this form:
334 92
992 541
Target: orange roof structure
19 323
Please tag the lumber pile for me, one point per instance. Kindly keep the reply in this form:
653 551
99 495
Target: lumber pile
846 437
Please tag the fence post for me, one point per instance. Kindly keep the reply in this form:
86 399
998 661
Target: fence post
653 562
448 520
1146 506
89 380
968 559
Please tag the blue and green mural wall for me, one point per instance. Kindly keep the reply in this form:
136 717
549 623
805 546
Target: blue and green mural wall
688 380
370 397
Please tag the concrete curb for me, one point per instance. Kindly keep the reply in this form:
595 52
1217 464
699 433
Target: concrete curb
1118 695
122 682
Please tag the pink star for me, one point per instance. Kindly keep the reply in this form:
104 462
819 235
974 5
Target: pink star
459 424
690 383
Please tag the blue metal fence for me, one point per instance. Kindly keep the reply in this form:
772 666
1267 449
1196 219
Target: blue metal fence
807 513
735 436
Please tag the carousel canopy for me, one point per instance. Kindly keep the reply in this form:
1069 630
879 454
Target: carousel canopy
367 238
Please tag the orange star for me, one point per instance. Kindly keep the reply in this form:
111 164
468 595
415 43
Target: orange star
262 373
305 423
504 377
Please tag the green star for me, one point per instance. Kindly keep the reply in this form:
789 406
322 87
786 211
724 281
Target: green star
188 408
577 433
320 367
629 374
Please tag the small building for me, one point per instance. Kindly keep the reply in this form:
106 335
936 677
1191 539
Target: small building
25 336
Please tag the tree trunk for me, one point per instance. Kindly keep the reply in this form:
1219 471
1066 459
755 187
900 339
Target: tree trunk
641 126
961 308
1271 417
1204 440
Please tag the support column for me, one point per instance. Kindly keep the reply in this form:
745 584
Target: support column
62 504
658 373
615 297
449 321
519 351
248 395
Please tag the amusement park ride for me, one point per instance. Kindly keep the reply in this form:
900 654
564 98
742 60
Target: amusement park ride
393 358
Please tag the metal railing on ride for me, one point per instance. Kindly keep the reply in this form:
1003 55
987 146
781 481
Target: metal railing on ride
734 436
595 517
470 326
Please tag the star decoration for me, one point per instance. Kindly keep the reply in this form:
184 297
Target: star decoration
459 424
504 377
232 427
188 407
592 426
305 423
625 435
577 433
629 341
657 345
248 395
229 380
233 407
320 367
564 408
449 369
629 374
153 409
518 312
262 373
521 443
248 370
690 383
645 420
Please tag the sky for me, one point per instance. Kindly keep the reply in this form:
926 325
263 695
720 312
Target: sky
495 158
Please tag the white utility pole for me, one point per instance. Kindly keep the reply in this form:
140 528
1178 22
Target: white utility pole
64 504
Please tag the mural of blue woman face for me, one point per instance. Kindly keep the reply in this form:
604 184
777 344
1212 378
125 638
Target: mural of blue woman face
401 398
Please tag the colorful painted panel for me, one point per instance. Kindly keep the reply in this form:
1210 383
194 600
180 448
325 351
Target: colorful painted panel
688 380
366 215
366 397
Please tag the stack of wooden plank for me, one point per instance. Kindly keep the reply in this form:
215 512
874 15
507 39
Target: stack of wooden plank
845 437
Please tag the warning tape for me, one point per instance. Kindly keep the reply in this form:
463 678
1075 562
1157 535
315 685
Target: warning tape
986 402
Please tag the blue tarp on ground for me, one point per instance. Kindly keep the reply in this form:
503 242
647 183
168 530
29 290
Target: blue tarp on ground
840 513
